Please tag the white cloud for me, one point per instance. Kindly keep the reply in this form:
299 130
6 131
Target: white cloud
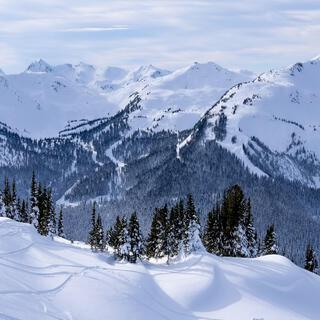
243 33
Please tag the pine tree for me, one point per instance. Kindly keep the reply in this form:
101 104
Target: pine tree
6 198
60 225
93 231
110 237
2 206
157 243
213 232
14 202
135 239
114 234
52 220
123 246
23 212
270 242
233 212
192 228
34 209
174 232
99 233
251 233
311 263
44 203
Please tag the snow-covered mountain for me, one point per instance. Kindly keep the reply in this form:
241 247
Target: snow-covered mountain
271 123
44 99
44 279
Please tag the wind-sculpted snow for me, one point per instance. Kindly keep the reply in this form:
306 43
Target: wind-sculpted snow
41 278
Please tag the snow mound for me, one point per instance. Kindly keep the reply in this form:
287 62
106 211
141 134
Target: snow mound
45 279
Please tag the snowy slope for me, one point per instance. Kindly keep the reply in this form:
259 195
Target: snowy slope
271 123
43 99
177 100
44 279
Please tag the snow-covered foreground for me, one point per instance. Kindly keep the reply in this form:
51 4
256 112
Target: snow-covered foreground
45 279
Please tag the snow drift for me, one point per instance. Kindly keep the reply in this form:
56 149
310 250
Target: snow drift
46 279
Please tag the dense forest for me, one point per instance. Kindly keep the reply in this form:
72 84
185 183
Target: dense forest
175 231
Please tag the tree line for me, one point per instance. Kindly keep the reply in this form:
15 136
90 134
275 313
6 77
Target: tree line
175 231
39 210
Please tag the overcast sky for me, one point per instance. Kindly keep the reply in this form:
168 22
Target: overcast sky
247 34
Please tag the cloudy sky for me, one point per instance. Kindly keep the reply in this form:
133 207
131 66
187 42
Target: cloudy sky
251 34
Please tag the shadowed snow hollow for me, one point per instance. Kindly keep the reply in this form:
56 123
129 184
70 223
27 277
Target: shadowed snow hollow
45 279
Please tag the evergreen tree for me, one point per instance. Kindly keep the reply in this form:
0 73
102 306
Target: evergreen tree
213 232
251 233
123 241
114 234
60 225
34 209
6 198
99 233
311 263
135 239
2 206
44 203
192 228
110 237
23 212
157 243
14 202
52 220
174 232
270 242
93 231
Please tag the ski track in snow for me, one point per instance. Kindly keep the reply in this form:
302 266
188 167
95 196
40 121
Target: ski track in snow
45 279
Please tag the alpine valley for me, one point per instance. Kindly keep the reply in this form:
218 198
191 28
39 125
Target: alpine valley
136 139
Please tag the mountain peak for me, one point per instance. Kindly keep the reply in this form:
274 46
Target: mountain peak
149 71
39 66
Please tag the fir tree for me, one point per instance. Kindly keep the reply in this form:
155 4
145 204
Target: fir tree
23 212
311 263
110 237
14 202
251 233
123 241
270 242
174 232
6 198
157 243
114 234
44 203
192 228
93 231
52 221
60 225
213 232
99 233
34 209
2 206
135 239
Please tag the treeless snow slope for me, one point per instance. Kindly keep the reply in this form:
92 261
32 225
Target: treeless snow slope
45 279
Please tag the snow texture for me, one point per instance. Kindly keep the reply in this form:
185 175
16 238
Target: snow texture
41 279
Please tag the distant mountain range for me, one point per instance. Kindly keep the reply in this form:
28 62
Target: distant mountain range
45 99
133 140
